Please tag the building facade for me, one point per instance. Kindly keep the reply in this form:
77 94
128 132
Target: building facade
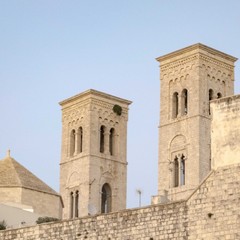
190 79
93 168
22 190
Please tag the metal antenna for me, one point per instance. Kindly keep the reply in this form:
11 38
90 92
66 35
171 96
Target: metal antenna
139 192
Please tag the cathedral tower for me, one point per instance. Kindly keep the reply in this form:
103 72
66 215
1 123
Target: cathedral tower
190 78
93 168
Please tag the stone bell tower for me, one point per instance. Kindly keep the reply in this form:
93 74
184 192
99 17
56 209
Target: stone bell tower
93 167
190 78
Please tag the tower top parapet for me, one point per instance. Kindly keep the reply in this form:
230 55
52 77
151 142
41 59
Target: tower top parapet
93 93
198 47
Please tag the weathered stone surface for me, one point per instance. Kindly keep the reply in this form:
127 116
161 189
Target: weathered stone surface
19 186
225 137
211 212
85 169
189 78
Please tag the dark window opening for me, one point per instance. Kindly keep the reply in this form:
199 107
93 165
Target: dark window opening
112 141
76 203
106 199
176 172
102 133
80 143
210 97
219 95
184 102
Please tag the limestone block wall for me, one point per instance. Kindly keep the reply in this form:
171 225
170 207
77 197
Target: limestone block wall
225 136
214 209
8 195
212 212
43 203
154 222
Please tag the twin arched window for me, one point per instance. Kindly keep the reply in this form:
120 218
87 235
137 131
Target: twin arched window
179 171
74 204
184 103
76 141
103 140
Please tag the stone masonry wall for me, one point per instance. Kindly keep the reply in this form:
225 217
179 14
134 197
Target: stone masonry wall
211 213
154 222
214 209
225 136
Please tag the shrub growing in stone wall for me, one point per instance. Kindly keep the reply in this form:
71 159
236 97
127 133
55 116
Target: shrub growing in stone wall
3 225
46 219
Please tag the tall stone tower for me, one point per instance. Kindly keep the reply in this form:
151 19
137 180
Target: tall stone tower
93 168
190 78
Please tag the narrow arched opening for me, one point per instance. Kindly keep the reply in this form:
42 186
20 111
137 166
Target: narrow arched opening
219 95
71 204
182 170
176 172
112 141
72 142
210 97
80 139
102 138
76 203
184 102
175 105
106 198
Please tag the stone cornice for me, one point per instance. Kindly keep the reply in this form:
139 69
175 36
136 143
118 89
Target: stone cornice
179 63
103 157
93 94
196 48
190 59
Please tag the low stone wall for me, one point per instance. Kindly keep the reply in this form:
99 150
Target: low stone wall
154 222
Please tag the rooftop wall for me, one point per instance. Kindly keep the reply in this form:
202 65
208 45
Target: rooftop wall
225 136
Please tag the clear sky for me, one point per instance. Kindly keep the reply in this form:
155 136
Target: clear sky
52 49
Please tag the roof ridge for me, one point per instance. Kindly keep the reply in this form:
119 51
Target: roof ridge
15 171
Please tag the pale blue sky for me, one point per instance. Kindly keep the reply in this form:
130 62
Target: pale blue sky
53 49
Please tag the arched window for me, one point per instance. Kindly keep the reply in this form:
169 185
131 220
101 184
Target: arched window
72 142
71 204
176 172
184 102
106 199
76 203
102 133
210 97
175 105
219 95
210 94
182 170
80 139
112 141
